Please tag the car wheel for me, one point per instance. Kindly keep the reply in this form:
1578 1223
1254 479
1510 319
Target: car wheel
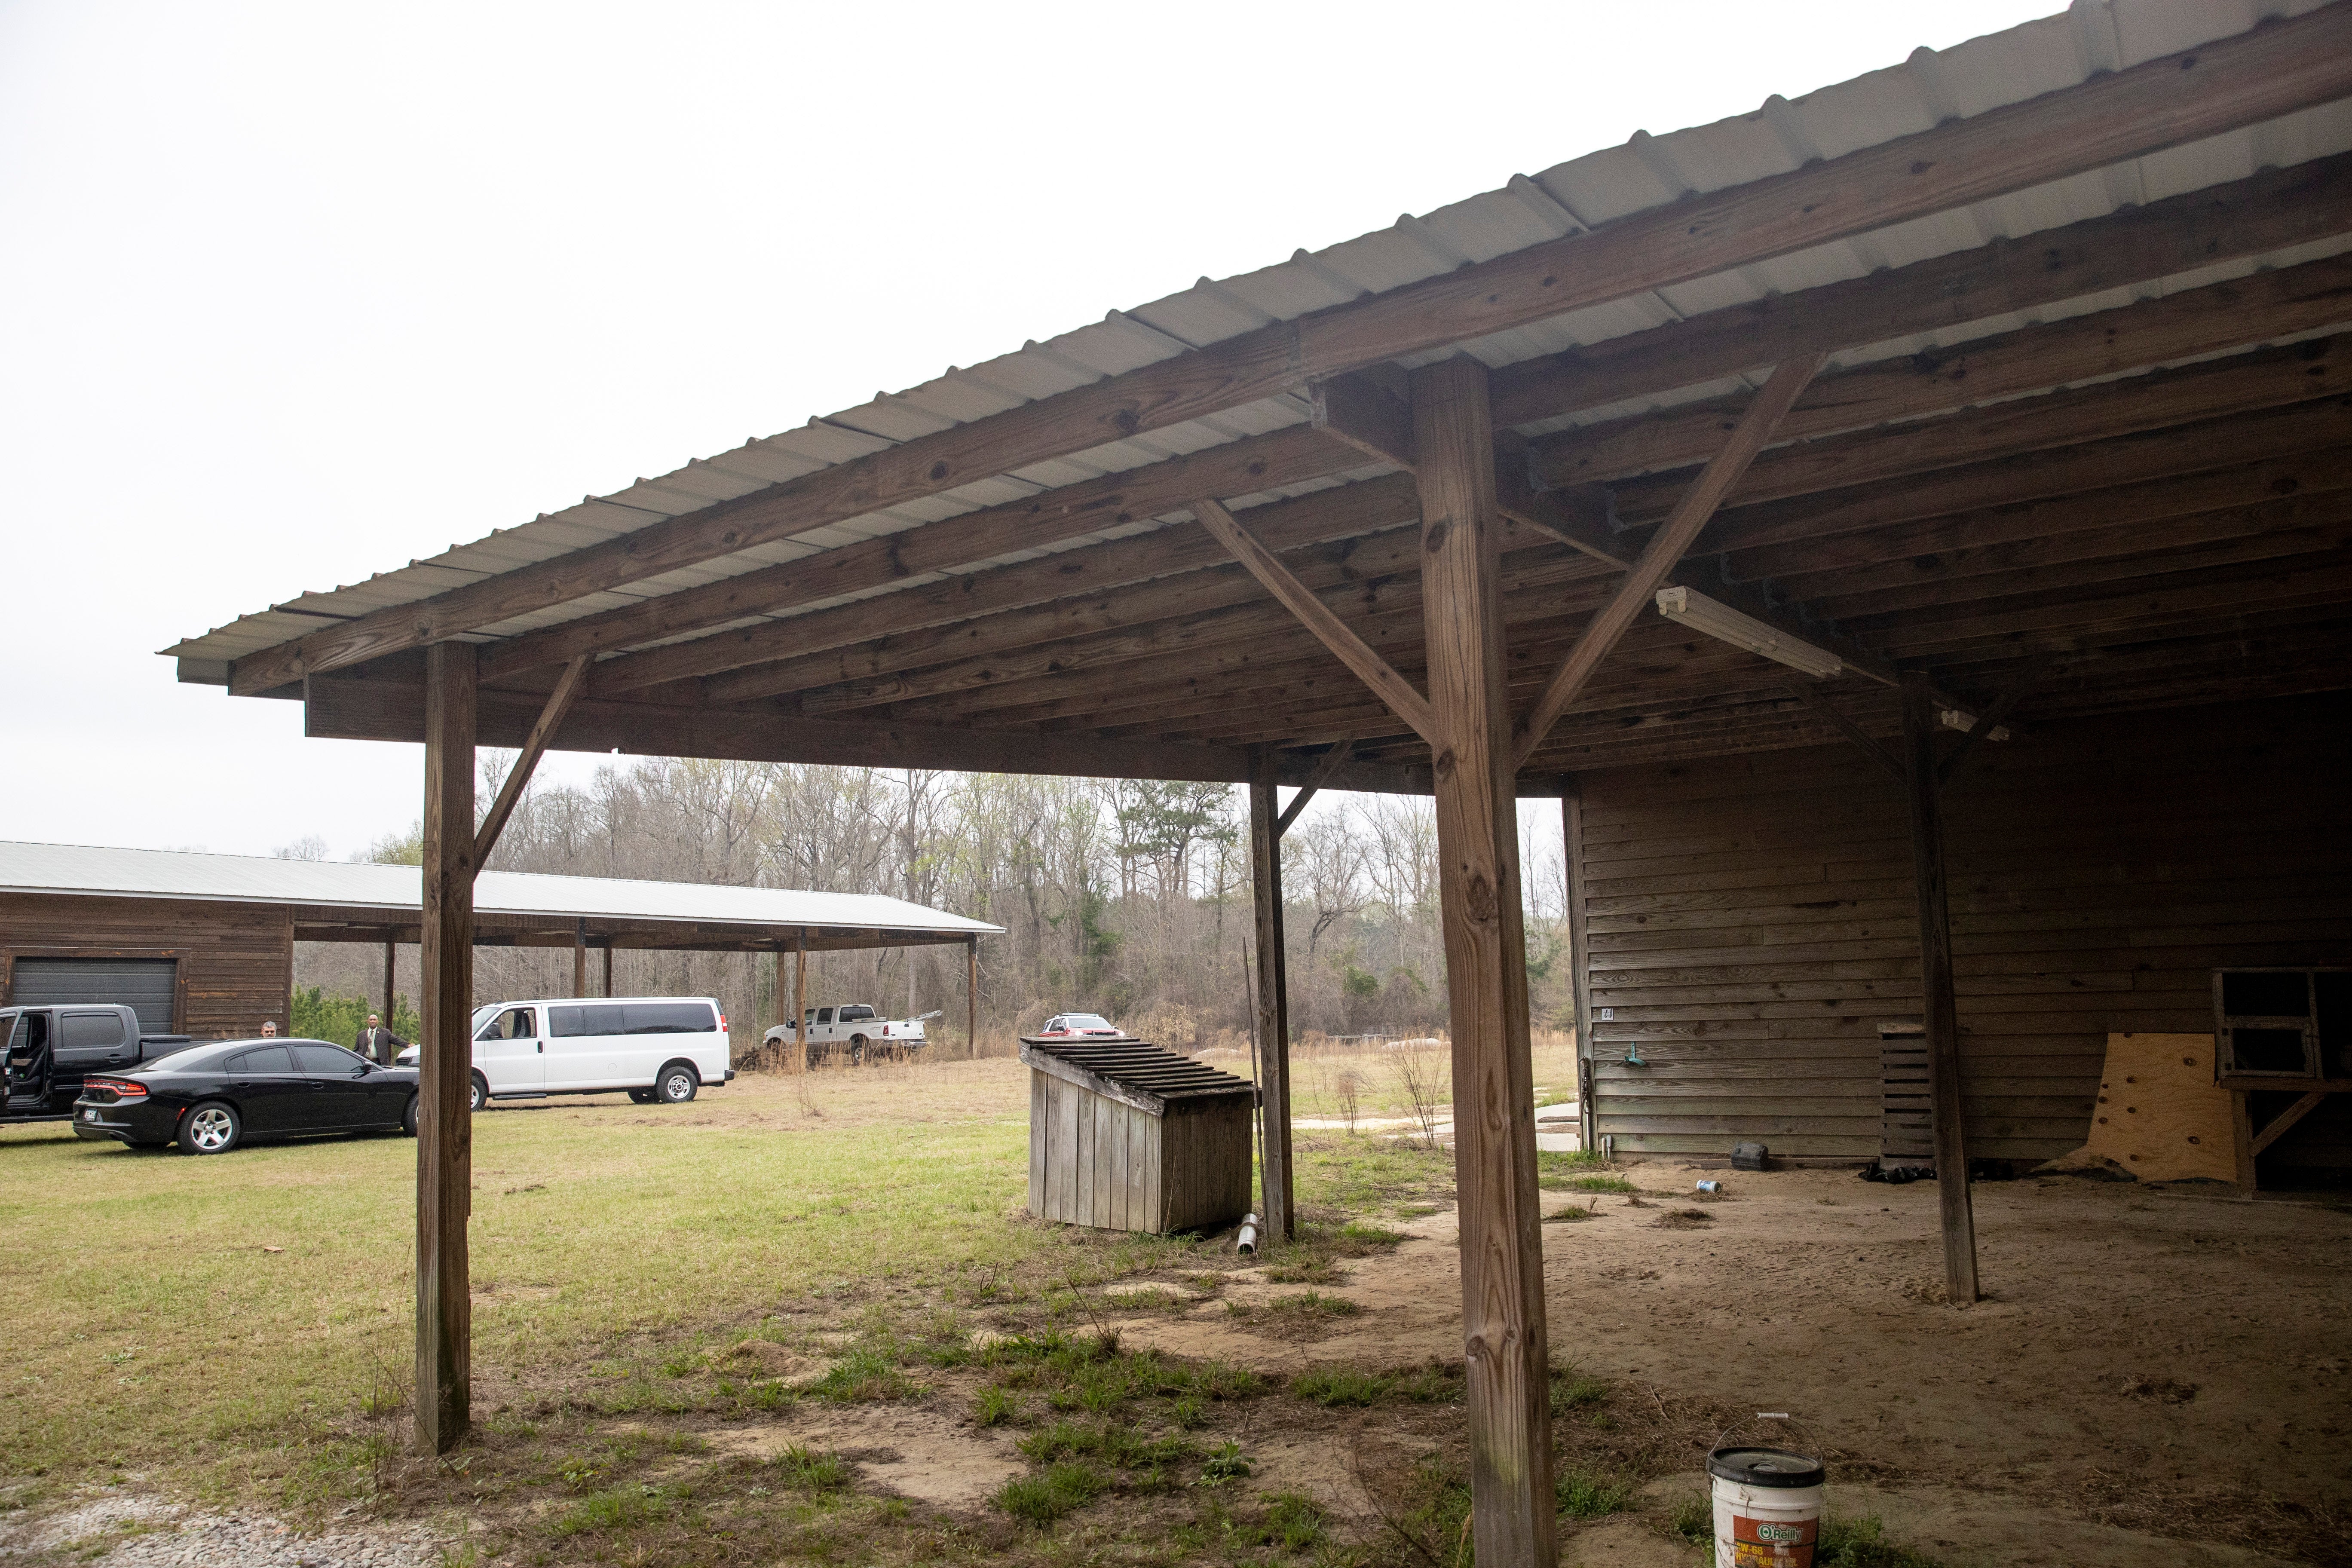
211 1128
481 1093
408 1115
676 1084
857 1050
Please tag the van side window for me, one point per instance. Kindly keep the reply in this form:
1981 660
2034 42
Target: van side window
599 1018
668 1018
563 1023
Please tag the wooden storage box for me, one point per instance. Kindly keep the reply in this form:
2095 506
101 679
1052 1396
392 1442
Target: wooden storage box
1124 1135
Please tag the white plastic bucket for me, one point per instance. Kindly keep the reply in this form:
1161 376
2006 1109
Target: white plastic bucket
1768 1507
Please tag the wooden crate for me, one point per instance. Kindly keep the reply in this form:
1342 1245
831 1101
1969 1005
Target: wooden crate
1124 1135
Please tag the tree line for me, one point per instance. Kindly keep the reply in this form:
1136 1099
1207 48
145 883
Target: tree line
1127 898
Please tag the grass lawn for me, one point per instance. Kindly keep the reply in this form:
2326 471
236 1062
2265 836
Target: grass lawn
668 1299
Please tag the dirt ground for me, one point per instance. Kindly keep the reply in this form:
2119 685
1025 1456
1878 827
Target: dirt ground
2150 1363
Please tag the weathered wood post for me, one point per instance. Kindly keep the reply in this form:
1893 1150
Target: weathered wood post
391 951
1272 1000
1938 1009
1509 1373
1580 967
580 956
800 1004
971 999
608 967
444 1122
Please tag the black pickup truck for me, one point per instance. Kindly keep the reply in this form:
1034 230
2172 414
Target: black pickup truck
46 1051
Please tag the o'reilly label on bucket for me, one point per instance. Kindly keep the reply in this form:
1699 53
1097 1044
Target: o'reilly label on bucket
1773 1542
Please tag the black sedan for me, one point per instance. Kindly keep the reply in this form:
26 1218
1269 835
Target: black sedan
210 1099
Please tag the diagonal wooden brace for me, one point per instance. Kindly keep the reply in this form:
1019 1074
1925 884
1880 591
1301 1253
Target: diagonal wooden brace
1318 618
1331 763
1665 547
534 746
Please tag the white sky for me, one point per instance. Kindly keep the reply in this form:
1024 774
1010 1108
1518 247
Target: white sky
292 294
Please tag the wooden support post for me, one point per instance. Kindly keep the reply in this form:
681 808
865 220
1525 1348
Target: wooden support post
972 1000
784 998
1273 1003
391 951
1937 1008
800 1004
608 967
580 956
444 1122
1509 1373
2241 1128
1580 954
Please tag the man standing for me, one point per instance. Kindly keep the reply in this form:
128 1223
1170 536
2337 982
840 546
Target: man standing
378 1044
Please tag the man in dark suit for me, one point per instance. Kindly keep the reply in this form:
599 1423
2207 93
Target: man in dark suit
378 1044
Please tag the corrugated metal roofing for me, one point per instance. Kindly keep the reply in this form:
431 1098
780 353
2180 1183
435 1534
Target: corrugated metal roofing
255 878
2055 52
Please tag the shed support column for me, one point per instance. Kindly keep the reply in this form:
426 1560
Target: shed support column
391 951
1579 956
1273 1000
580 957
800 1005
972 1000
608 967
1938 1009
1508 1374
445 1130
783 1001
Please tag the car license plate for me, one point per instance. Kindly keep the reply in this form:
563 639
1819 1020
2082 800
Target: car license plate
89 1116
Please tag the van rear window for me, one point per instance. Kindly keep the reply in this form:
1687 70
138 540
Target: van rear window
632 1018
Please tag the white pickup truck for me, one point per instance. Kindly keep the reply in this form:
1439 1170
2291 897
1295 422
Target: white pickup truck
856 1030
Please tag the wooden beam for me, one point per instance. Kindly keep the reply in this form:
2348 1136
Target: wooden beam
800 1005
2032 675
1939 1008
2021 429
1578 898
526 763
1178 571
2194 321
1508 1388
1273 988
1316 617
391 952
444 1122
2280 1125
388 711
1812 698
2271 70
1135 495
580 957
2273 210
608 968
972 1000
1665 547
1333 761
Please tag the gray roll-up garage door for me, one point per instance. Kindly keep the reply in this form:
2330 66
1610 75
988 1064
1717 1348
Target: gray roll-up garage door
142 985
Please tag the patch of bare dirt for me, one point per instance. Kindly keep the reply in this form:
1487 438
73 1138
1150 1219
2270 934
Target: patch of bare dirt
917 1452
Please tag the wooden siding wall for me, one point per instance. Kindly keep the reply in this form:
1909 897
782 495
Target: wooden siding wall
1751 920
235 960
1094 1161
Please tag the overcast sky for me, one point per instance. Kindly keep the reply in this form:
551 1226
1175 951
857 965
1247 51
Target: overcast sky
292 294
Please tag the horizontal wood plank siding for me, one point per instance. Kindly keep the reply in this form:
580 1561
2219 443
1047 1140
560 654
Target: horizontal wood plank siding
235 959
1751 920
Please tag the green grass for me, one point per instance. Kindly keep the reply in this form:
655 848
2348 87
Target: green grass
1063 1490
1337 1387
1861 1543
1588 1185
1314 1304
1585 1494
804 1470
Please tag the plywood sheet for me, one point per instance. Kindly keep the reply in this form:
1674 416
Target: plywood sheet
2159 1113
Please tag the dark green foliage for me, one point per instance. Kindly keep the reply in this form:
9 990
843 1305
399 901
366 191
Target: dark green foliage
1226 1464
1291 1521
316 1017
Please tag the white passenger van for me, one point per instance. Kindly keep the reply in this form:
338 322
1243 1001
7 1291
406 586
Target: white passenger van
659 1048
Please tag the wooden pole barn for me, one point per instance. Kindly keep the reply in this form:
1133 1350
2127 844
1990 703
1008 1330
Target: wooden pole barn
2019 369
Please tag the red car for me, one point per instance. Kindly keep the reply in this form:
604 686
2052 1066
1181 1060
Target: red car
1079 1026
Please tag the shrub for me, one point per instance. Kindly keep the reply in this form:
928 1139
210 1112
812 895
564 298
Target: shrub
994 1408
